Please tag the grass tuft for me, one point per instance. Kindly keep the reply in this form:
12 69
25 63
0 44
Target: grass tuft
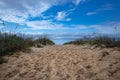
44 41
98 41
11 43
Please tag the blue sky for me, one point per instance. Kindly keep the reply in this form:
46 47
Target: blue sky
60 20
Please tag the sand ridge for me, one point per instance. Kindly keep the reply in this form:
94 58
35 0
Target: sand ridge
65 62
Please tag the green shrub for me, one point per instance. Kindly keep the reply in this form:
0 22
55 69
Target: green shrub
76 42
99 41
44 41
10 43
106 41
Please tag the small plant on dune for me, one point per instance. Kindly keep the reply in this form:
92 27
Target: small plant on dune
44 41
76 42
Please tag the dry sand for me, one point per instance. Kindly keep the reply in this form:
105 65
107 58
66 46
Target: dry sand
66 62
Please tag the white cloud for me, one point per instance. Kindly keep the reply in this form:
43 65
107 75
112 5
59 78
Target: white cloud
91 13
61 16
80 26
105 7
68 19
44 24
77 2
1 27
48 24
108 28
19 11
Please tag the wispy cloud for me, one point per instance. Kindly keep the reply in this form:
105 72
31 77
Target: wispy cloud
91 13
108 28
19 11
77 2
44 24
1 27
61 16
64 36
51 25
80 26
105 7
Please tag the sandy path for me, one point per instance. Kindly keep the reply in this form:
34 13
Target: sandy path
63 63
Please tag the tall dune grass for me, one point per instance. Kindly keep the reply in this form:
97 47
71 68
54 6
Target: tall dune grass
108 42
10 43
100 39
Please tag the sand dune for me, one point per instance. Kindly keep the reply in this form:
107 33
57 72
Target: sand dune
66 62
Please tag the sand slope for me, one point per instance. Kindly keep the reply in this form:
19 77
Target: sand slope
68 62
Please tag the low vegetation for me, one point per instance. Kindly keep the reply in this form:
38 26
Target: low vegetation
106 41
44 41
10 43
76 42
98 41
